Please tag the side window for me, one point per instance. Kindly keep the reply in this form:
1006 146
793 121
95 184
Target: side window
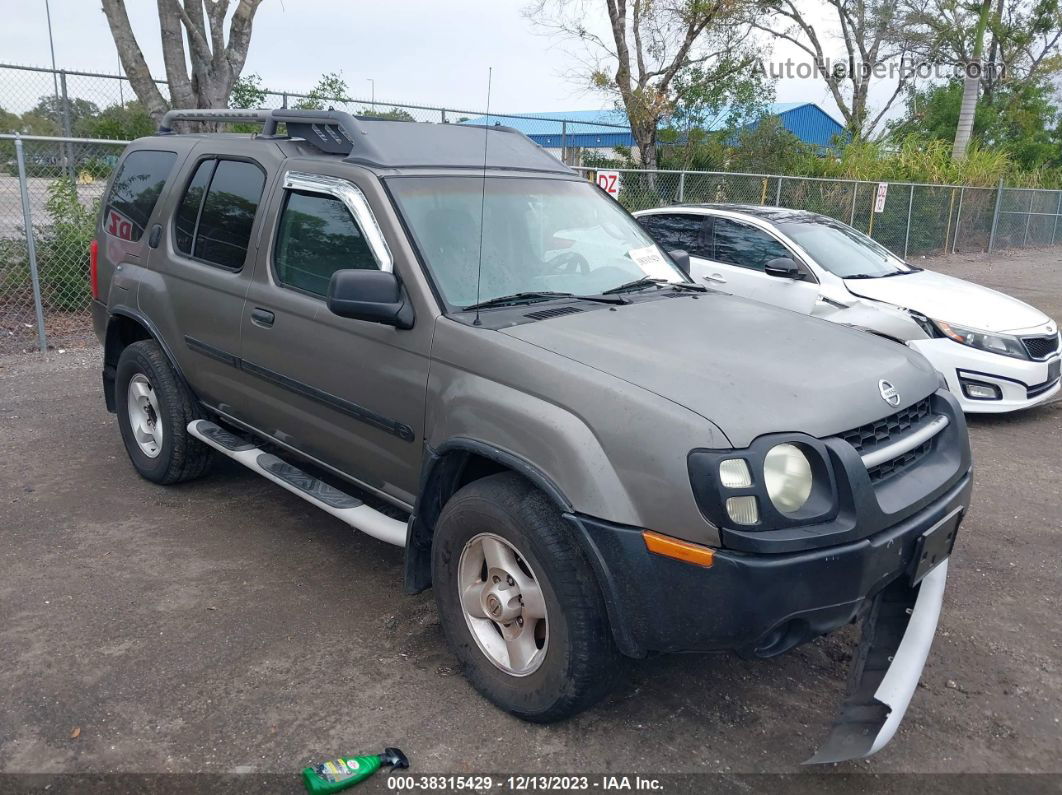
135 191
745 246
678 231
316 237
214 219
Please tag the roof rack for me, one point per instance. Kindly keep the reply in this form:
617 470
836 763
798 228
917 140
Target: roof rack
331 131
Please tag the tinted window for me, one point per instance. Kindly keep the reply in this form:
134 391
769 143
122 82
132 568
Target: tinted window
135 191
188 210
318 237
746 246
686 232
225 221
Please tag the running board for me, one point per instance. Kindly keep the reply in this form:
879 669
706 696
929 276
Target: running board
341 505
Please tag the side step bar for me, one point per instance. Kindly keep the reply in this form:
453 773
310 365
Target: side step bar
341 505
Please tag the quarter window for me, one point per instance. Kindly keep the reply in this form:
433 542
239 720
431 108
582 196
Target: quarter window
745 246
135 192
214 219
317 237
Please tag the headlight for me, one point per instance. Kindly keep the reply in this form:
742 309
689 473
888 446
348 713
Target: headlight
787 477
1003 344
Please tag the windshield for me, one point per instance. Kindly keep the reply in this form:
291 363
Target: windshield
539 235
842 250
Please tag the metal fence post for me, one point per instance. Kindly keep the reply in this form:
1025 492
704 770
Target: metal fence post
907 234
682 187
442 115
31 245
995 216
284 100
68 155
778 193
855 193
958 220
1058 212
564 141
1028 220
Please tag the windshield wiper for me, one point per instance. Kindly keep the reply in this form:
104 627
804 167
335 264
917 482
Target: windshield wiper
541 295
640 284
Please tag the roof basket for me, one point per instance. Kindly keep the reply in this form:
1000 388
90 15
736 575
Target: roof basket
331 131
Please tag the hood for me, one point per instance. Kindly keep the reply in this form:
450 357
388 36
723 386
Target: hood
953 300
747 367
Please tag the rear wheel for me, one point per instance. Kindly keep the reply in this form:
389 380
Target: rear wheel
519 603
154 409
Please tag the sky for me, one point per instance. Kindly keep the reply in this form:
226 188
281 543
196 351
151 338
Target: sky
416 51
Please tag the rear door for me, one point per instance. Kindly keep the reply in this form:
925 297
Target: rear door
202 264
348 393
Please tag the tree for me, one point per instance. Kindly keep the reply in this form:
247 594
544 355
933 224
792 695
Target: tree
247 93
650 51
215 63
331 87
121 122
875 38
51 107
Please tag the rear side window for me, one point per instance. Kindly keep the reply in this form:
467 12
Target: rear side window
685 232
317 237
135 191
214 219
745 246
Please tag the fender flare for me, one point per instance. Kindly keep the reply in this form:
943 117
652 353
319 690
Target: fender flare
437 478
110 368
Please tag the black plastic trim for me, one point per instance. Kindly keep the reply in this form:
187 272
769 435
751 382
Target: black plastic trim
351 409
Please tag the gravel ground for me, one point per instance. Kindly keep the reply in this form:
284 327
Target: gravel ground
225 625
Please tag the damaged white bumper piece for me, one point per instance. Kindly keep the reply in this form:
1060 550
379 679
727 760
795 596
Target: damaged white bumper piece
897 636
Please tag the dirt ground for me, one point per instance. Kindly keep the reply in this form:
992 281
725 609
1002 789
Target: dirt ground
226 626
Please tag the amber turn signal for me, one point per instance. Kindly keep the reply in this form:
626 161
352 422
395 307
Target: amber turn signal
679 550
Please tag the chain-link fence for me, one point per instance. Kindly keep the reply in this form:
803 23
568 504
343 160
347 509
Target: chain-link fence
909 219
44 291
52 187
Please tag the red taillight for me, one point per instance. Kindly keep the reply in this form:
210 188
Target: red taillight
94 269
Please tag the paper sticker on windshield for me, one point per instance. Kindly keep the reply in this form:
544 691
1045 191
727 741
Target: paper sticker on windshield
652 262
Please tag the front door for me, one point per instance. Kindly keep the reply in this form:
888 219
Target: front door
346 392
734 257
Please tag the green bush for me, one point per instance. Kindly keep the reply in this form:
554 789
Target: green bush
63 250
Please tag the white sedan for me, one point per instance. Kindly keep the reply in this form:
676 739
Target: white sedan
997 353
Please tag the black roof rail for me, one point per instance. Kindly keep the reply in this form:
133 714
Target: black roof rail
331 131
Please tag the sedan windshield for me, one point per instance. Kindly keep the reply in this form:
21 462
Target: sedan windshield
538 236
842 250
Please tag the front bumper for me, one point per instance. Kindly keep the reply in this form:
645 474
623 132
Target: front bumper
759 605
1022 383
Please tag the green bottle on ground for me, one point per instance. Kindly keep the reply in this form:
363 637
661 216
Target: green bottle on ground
337 774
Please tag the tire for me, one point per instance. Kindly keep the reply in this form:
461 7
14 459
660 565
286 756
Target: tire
171 454
576 660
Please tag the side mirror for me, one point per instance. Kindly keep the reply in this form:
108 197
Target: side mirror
682 259
782 267
374 296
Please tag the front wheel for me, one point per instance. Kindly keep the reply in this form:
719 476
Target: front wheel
519 602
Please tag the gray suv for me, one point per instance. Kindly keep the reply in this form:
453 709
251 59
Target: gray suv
446 338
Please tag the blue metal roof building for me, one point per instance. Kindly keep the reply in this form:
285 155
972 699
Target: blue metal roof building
605 129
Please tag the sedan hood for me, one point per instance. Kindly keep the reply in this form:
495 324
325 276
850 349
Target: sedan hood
953 300
747 367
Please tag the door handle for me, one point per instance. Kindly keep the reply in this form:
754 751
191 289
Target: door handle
155 236
715 277
262 317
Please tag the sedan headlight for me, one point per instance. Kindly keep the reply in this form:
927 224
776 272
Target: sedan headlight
787 477
1003 344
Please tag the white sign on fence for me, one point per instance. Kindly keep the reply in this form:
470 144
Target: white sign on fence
883 191
609 182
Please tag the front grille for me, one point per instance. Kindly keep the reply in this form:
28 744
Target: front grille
1040 347
874 434
899 463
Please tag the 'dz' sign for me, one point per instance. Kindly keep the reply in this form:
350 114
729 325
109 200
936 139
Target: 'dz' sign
120 226
609 182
